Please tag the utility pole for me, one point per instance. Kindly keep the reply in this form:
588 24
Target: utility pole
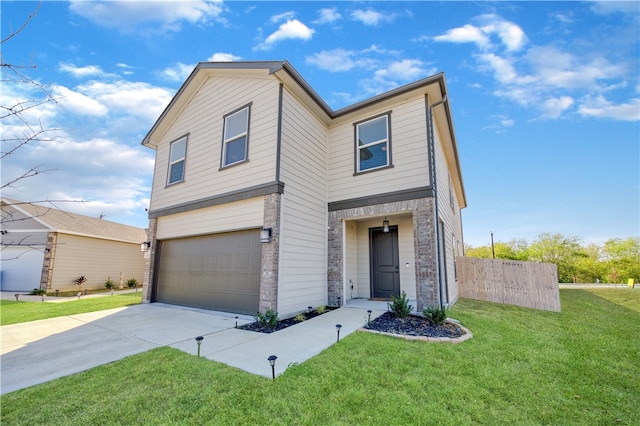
493 250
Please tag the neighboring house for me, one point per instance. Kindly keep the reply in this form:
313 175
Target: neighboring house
264 197
43 247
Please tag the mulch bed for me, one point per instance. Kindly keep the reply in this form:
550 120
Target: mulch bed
413 325
254 326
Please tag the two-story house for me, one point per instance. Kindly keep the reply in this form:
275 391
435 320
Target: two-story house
264 197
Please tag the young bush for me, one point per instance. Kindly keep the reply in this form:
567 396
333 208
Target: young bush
38 292
435 314
400 305
321 309
109 284
132 283
300 317
269 319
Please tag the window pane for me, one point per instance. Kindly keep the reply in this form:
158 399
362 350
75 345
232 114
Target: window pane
178 150
373 156
236 124
176 173
235 151
372 131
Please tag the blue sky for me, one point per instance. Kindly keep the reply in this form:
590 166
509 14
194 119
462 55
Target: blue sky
545 95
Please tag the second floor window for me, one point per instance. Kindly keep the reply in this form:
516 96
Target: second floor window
373 147
235 137
177 154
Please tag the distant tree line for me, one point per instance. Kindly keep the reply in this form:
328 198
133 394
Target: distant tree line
615 261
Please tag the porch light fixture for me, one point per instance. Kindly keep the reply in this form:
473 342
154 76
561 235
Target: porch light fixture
272 363
265 235
145 246
338 327
385 225
199 340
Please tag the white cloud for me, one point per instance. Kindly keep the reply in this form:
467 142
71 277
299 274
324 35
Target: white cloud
511 36
223 57
286 16
135 99
127 15
370 17
554 107
606 7
465 34
82 72
177 72
600 107
328 16
404 70
292 29
333 60
78 103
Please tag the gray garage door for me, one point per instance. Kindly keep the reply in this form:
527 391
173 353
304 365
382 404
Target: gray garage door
219 272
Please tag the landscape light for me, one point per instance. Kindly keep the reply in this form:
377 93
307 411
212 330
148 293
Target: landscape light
272 362
338 327
199 340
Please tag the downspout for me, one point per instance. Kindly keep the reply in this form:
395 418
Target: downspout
435 193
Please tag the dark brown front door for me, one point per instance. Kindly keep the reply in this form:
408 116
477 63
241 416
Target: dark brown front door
385 266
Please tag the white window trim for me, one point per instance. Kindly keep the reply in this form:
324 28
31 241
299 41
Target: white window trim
182 159
236 137
387 141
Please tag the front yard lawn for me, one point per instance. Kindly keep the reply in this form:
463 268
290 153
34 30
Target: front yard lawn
16 312
521 367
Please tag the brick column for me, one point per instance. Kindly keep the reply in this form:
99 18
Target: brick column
270 254
335 260
149 262
426 252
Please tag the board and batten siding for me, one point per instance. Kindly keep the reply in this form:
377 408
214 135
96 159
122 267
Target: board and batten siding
448 215
302 277
239 215
409 150
97 259
203 120
406 254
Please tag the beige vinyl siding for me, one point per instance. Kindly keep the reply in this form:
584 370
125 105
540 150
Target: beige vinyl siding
406 254
302 277
202 119
409 152
245 214
450 217
95 258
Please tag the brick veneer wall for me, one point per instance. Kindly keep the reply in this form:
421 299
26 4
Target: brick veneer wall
424 239
270 254
149 261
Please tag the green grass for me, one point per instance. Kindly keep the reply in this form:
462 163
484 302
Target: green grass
15 312
522 367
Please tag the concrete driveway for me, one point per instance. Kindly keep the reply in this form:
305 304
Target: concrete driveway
39 351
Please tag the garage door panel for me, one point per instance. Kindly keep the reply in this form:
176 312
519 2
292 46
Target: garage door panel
220 272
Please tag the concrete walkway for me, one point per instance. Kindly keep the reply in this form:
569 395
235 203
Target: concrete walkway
39 351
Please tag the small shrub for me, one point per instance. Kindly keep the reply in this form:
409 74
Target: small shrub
300 317
132 283
80 280
321 309
400 305
269 319
435 314
38 292
109 284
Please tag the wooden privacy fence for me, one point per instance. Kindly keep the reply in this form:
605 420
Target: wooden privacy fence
528 284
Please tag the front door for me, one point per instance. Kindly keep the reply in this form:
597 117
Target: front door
385 265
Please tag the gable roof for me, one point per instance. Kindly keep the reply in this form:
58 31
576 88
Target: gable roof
434 87
73 223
